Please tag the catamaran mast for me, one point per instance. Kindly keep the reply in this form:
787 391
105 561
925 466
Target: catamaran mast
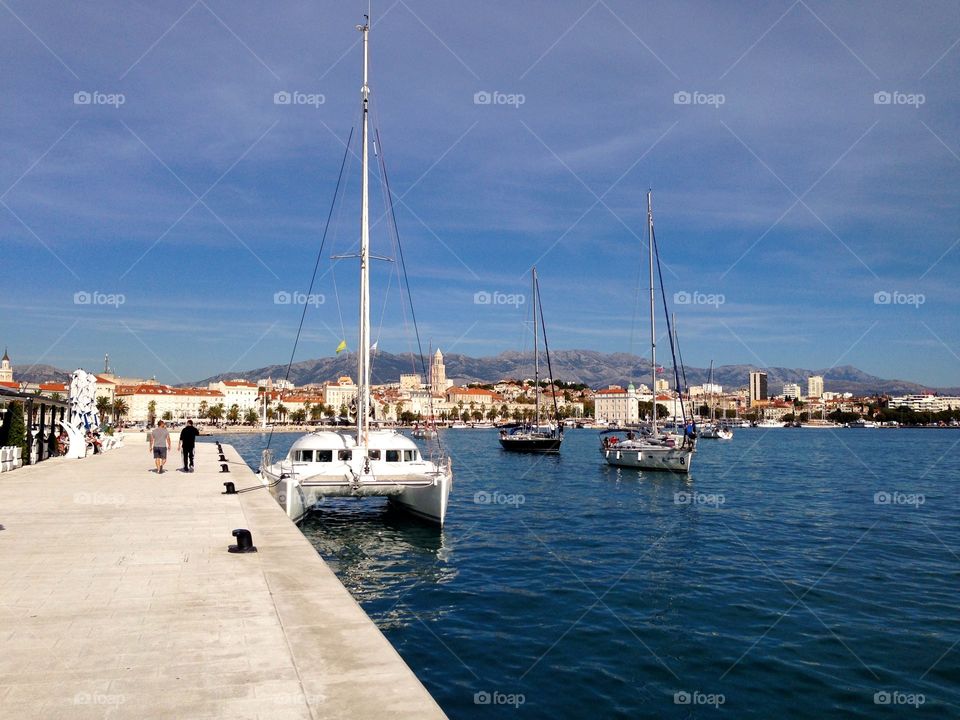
653 329
363 352
536 356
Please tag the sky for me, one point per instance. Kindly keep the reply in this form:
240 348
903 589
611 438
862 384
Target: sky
168 168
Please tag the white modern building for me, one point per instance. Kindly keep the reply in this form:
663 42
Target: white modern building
181 403
815 387
340 394
792 390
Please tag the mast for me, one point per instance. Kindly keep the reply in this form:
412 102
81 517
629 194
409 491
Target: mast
536 355
363 352
713 399
653 329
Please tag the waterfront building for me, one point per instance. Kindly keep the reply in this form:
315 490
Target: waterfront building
181 403
481 399
614 404
815 387
758 387
924 402
662 385
242 393
340 394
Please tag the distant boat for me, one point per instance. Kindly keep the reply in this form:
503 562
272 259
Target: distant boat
536 438
861 423
363 461
769 424
714 431
652 449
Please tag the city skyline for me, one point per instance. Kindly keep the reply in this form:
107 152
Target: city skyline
164 188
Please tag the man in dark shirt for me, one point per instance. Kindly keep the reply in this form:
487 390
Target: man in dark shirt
188 437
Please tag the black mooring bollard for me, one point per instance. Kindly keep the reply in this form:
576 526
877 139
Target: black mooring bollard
244 542
223 458
224 468
229 489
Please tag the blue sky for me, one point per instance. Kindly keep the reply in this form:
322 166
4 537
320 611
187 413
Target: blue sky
787 194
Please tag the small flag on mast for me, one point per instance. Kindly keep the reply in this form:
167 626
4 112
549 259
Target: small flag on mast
342 346
373 348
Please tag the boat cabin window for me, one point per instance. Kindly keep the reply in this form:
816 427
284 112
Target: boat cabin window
324 456
409 455
393 455
373 454
304 456
345 455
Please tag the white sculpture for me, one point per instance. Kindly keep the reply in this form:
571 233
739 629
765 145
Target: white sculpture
83 412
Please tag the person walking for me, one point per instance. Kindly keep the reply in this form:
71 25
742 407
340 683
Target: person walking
188 439
159 439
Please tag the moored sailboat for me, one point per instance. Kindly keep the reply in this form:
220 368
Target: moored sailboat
652 449
362 461
538 437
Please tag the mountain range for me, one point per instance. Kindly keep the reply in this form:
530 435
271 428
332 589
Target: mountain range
595 369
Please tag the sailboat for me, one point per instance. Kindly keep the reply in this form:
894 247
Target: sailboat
653 449
361 461
537 438
715 431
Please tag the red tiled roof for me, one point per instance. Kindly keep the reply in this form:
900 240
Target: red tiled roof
610 391
53 387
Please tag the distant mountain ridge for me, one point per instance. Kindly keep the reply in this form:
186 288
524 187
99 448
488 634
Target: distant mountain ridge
593 368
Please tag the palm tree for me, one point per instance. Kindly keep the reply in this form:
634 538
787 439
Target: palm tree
103 406
281 411
151 412
316 413
168 415
204 407
251 417
120 408
216 412
233 414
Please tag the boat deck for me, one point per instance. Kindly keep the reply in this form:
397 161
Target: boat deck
119 599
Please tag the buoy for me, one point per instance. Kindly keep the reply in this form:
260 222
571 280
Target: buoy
244 542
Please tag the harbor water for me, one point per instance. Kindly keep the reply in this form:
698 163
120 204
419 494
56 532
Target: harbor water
795 573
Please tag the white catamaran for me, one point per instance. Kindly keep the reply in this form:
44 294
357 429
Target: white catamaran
361 461
651 449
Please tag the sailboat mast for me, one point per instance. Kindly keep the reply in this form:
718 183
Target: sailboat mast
653 328
536 355
363 352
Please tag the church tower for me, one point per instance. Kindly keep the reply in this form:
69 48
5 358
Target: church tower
438 374
6 369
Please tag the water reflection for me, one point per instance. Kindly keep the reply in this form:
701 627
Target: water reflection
380 554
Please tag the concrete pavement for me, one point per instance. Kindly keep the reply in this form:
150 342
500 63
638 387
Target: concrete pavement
118 599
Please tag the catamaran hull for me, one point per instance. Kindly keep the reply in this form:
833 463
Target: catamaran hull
425 499
676 460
